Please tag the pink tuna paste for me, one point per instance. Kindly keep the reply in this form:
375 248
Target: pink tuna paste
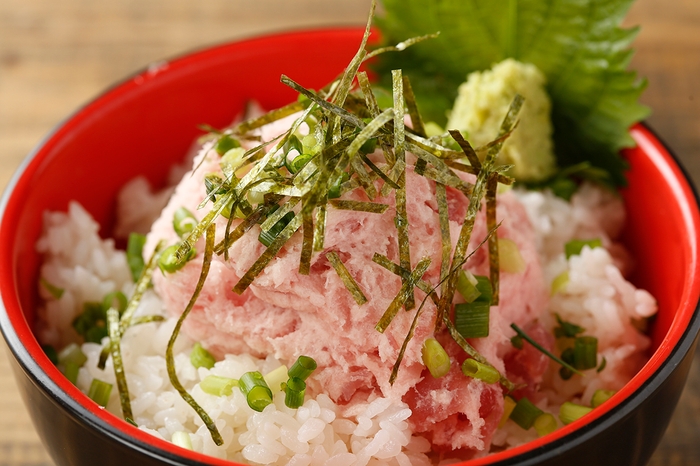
287 314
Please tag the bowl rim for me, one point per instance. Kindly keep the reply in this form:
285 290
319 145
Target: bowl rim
38 369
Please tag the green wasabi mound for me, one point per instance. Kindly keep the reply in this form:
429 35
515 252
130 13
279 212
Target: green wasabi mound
482 103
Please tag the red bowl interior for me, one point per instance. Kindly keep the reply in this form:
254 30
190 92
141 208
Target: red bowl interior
148 122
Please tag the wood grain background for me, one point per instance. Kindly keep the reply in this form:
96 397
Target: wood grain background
55 55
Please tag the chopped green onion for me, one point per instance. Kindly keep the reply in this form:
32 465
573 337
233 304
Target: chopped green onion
116 300
225 144
547 353
472 319
525 413
568 357
347 279
602 365
71 370
293 143
601 396
183 222
51 353
217 385
475 369
563 187
334 188
585 353
509 256
298 162
256 391
368 147
200 357
575 246
72 353
134 254
276 378
168 262
91 324
266 237
466 286
435 358
508 407
294 393
55 291
182 440
483 284
559 283
302 368
545 424
567 329
131 421
569 412
99 392
517 342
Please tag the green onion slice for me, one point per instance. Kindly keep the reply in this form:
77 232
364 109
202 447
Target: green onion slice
256 390
53 290
200 357
435 358
302 367
475 369
601 396
184 222
525 413
472 319
545 424
134 254
569 412
585 353
217 385
574 247
294 392
99 392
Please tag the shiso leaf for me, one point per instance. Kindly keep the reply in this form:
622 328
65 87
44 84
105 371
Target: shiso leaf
346 278
578 45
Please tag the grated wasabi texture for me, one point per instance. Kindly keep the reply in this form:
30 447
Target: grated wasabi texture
483 101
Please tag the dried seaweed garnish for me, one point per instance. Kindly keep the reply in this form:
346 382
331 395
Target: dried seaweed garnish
269 117
416 120
401 219
307 242
320 227
359 206
503 179
443 215
117 363
475 199
401 45
374 111
402 296
169 357
521 333
346 278
396 269
268 255
494 263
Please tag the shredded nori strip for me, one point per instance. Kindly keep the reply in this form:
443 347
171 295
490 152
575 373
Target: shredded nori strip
402 296
401 219
116 352
346 278
359 206
169 357
443 215
416 120
494 263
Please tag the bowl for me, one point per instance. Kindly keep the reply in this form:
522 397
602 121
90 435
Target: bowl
147 122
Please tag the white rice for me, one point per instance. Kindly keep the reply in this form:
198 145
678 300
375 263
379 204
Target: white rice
371 432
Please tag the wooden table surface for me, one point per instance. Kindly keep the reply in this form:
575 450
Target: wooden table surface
57 54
